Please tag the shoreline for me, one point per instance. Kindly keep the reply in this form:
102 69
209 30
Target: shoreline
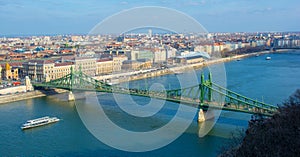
29 95
183 68
173 70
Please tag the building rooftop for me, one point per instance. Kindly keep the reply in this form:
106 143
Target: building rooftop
40 61
104 60
84 58
195 55
63 64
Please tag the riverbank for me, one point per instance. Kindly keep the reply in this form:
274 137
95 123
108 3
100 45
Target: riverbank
29 95
125 77
133 77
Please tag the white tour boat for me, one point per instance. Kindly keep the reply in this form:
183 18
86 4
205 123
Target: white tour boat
39 122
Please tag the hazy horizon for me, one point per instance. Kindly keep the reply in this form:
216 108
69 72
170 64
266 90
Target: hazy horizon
41 17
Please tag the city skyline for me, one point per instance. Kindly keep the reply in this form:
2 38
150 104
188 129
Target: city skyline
79 17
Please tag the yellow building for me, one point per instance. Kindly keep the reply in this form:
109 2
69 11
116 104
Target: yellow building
130 65
104 66
118 61
0 73
10 73
87 65
137 64
189 59
36 69
144 64
42 70
194 60
58 70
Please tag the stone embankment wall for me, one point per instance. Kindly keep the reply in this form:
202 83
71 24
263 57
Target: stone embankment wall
28 95
12 90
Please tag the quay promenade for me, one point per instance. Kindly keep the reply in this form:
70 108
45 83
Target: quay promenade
138 75
28 95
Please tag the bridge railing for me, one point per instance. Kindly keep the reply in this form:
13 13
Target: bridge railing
206 93
233 97
233 103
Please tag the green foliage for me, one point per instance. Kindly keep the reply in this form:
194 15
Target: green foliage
277 136
230 148
243 50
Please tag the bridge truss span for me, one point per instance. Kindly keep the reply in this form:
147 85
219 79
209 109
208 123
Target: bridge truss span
206 94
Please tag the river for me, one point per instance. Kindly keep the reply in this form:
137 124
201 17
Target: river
271 81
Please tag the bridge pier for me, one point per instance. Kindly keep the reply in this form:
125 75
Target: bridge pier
204 115
71 96
201 116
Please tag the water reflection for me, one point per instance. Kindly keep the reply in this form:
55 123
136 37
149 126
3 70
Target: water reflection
29 104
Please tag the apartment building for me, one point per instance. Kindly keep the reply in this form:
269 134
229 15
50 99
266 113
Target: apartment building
9 73
118 61
87 65
104 66
58 70
36 69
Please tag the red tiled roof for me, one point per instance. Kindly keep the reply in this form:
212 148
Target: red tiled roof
104 60
65 51
13 64
48 61
49 51
83 58
67 57
63 64
41 61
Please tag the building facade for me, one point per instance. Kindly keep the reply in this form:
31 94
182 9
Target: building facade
58 70
9 73
0 73
87 65
160 56
104 66
36 69
118 61
137 64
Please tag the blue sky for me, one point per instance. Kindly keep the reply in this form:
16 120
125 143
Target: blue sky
22 17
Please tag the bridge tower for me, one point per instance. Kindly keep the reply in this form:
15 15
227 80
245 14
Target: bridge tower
201 113
71 96
28 84
210 85
202 87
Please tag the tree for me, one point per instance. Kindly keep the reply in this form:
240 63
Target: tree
276 136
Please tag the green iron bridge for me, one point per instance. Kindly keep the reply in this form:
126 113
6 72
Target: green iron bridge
205 95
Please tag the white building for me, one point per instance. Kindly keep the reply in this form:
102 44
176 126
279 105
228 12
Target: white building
160 55
117 62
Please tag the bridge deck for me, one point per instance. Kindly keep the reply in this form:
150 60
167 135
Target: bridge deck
204 95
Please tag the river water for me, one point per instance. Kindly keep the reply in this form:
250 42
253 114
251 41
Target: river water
271 81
